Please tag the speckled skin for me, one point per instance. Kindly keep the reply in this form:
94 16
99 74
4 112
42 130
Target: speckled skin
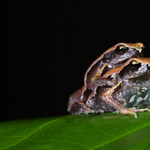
136 94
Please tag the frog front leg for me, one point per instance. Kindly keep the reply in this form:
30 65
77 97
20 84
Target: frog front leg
102 81
107 97
99 72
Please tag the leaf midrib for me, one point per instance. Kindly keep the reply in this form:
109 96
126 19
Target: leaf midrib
32 133
119 137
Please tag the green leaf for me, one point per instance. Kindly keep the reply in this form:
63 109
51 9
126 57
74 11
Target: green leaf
78 132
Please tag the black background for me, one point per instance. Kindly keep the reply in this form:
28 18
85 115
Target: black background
51 44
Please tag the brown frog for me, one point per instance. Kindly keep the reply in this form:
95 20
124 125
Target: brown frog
123 88
111 58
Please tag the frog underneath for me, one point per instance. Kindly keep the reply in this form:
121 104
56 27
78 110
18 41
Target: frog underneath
123 87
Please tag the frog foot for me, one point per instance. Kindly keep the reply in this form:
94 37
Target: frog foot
133 111
87 109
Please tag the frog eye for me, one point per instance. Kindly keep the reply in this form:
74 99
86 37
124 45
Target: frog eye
121 49
134 62
134 65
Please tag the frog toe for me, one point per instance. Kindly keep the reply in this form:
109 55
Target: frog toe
141 110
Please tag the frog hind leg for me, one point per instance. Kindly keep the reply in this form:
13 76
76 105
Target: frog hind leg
107 97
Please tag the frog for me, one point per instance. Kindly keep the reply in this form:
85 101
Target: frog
123 88
111 58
